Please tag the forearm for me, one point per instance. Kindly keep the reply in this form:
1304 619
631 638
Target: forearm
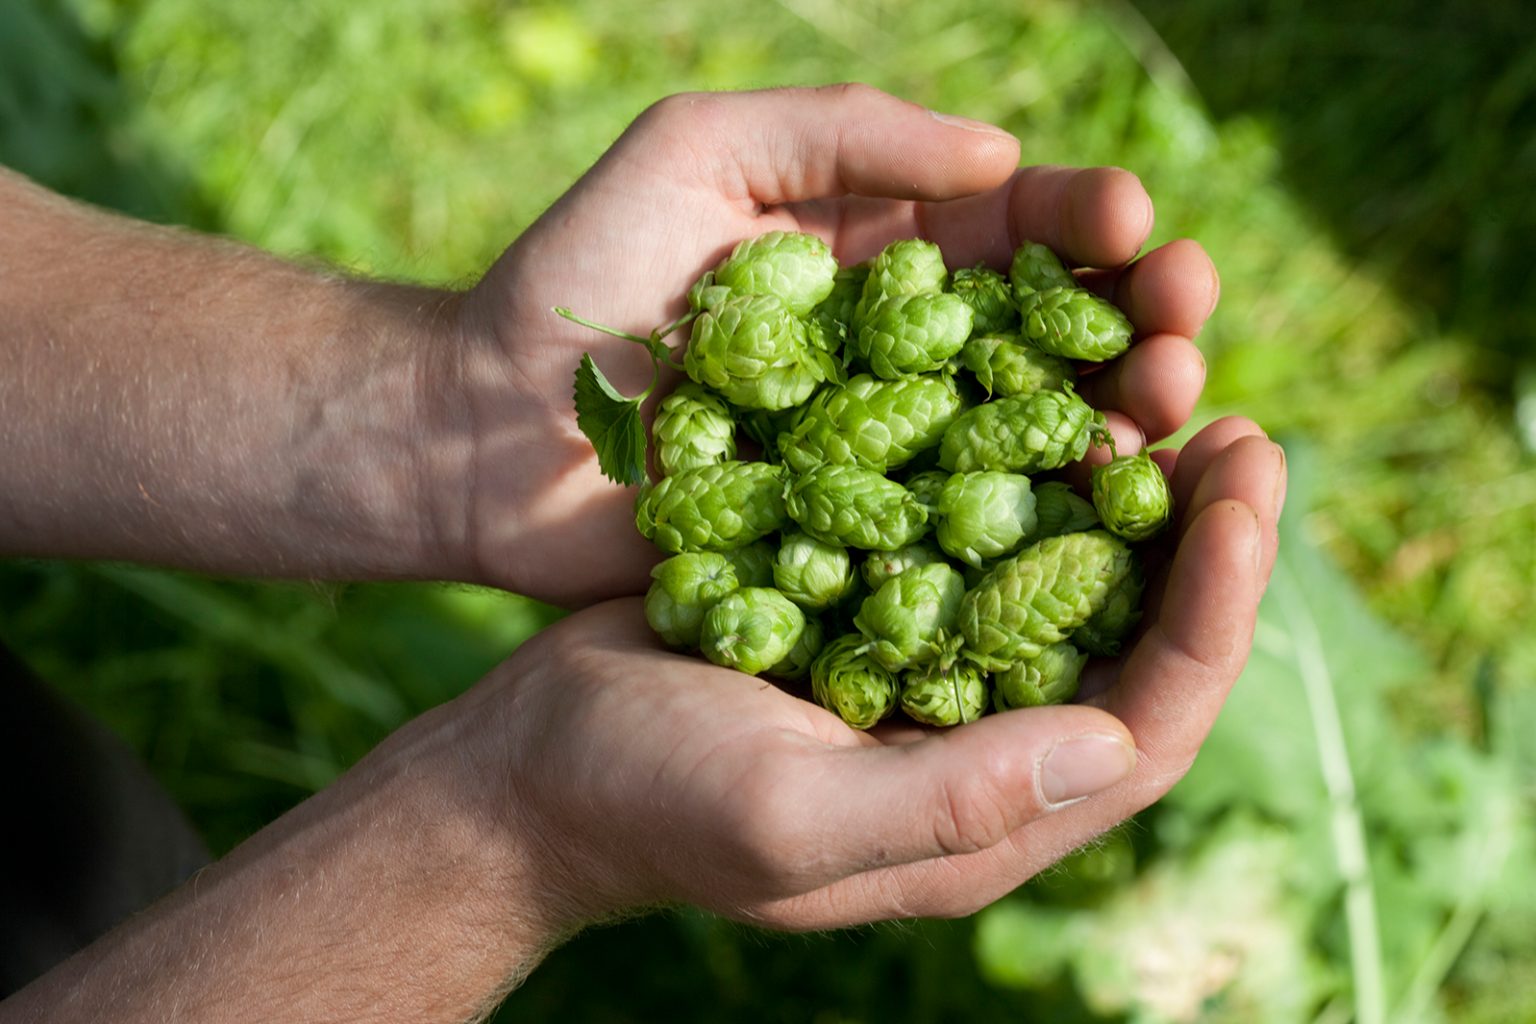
401 893
185 400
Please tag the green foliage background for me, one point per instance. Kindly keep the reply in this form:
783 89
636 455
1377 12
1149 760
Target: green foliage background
1354 844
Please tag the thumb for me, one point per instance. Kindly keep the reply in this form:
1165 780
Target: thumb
958 791
790 145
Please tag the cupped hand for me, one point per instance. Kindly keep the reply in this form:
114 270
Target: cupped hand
643 776
691 177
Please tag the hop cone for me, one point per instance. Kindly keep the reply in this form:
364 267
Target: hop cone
1104 634
1058 510
683 588
797 269
755 352
910 615
712 508
1074 323
751 630
908 334
1048 678
812 574
693 428
1036 268
1039 596
876 424
985 515
852 684
1132 497
880 566
1005 366
1022 434
797 663
908 266
945 695
856 508
753 563
991 299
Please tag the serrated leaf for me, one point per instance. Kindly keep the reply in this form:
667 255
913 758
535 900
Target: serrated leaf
612 423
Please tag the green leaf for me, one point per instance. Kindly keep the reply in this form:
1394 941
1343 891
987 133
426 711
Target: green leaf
612 423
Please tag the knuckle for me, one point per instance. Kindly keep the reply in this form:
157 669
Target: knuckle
684 114
973 816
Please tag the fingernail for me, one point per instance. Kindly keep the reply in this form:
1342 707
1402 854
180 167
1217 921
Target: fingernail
1277 488
969 125
1083 765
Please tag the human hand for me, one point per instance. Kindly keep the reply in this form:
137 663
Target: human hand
643 776
691 177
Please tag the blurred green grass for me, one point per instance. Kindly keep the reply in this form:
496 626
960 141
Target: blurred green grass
1360 177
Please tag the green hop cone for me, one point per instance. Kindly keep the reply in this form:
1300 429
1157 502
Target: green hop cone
751 630
907 619
926 488
753 563
712 508
939 694
851 684
693 428
797 663
1036 268
880 566
755 352
1132 497
877 424
683 588
908 266
1104 634
991 299
1039 596
795 268
812 574
1006 366
1074 323
985 515
1022 434
1059 509
907 334
856 508
1050 677
835 313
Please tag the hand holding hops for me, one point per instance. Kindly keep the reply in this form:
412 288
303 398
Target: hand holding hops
843 554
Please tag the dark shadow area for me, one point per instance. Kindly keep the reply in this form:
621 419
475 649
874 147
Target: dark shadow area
1409 127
